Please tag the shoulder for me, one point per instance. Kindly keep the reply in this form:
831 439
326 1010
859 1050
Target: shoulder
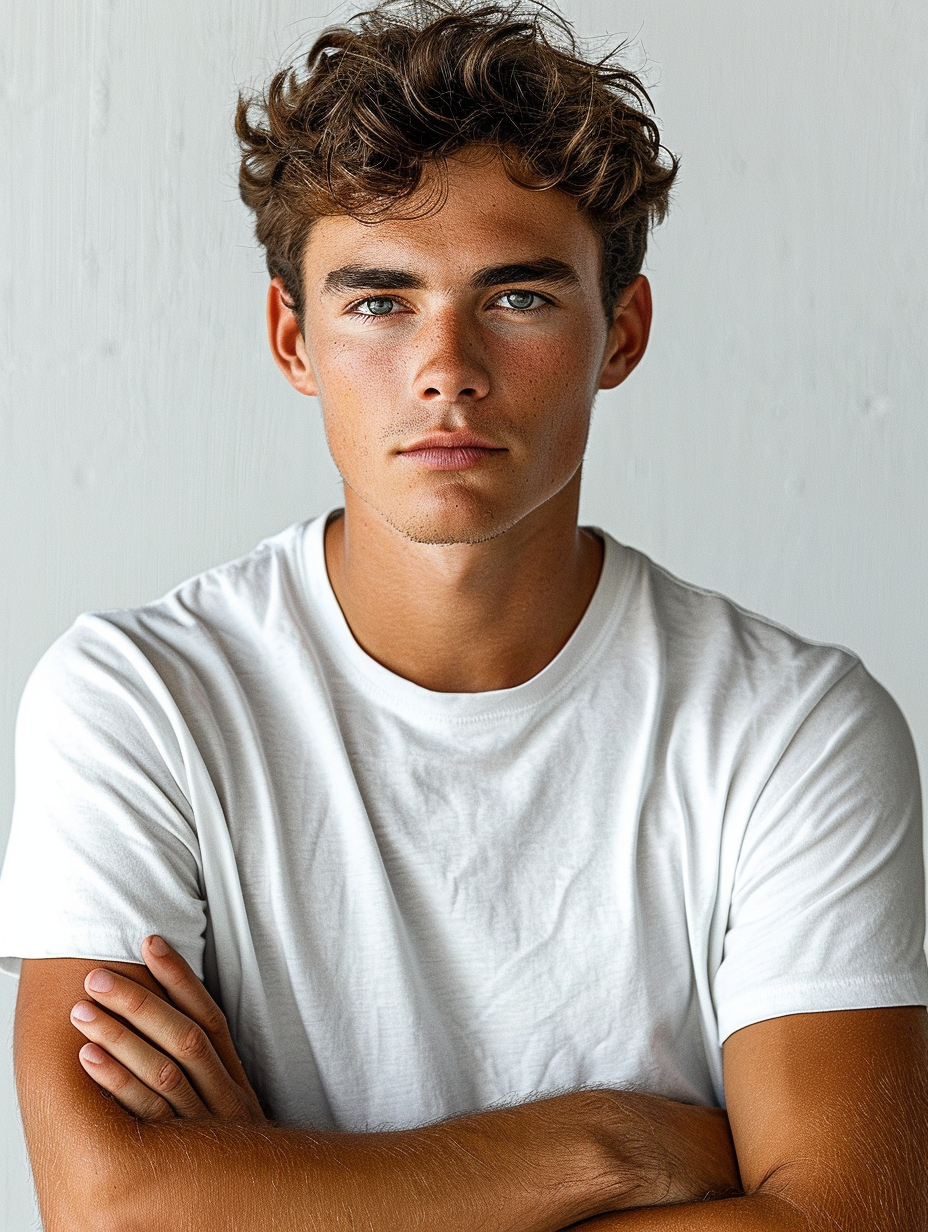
127 652
241 594
709 620
738 687
709 641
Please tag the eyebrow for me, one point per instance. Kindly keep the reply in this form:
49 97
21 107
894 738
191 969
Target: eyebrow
377 278
370 278
546 269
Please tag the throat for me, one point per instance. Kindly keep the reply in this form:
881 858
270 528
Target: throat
463 618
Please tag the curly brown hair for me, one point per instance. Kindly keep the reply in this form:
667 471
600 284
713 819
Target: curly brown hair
352 126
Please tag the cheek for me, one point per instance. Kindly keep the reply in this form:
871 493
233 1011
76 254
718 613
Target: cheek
555 377
563 357
558 385
351 373
358 386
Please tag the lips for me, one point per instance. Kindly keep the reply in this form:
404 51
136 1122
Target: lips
450 451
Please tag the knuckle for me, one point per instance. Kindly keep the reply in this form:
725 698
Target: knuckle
117 1079
170 1077
213 1019
153 1108
135 1000
111 1031
192 1044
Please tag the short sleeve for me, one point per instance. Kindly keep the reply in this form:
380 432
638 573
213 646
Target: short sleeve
103 850
827 909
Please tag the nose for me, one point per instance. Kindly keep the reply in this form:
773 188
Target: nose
451 366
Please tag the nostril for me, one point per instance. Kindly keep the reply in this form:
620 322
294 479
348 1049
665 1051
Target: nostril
432 392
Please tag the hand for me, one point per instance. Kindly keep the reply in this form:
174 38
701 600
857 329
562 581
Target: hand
701 1160
667 1152
167 1058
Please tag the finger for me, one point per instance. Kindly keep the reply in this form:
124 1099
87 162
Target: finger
183 1041
124 1087
159 1073
186 991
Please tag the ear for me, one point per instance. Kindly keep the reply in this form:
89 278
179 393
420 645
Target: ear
286 339
628 334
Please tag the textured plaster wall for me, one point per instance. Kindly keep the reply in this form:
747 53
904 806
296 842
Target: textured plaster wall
773 445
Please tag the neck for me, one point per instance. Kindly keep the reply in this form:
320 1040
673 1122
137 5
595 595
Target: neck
464 618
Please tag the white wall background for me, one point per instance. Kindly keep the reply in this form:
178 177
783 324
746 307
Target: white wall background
774 445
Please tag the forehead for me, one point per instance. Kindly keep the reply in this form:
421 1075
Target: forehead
485 219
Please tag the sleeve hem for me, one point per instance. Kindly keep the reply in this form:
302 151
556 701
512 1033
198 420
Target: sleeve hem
813 998
10 964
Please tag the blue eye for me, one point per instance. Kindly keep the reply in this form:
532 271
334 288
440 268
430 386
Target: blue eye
377 307
520 300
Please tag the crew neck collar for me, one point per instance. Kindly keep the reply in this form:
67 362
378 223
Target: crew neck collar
602 614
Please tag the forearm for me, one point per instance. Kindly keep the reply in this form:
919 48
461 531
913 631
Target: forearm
760 1212
183 1141
799 1198
535 1168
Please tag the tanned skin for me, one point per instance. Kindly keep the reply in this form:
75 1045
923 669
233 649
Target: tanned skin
456 359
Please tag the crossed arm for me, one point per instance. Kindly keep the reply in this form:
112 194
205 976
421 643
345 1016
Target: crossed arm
828 1127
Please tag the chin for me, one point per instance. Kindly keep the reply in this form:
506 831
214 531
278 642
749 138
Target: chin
455 518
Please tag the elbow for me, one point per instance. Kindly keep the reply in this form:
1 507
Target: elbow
842 1205
92 1212
96 1197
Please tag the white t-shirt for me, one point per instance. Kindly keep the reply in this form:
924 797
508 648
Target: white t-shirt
412 904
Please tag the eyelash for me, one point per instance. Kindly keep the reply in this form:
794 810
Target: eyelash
522 312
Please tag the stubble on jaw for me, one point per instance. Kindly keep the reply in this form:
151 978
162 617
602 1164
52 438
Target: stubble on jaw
447 514
463 519
421 529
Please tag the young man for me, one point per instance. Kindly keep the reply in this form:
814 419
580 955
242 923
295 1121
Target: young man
507 856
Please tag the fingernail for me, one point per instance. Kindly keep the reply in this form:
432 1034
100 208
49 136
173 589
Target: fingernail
101 981
93 1054
158 946
83 1012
